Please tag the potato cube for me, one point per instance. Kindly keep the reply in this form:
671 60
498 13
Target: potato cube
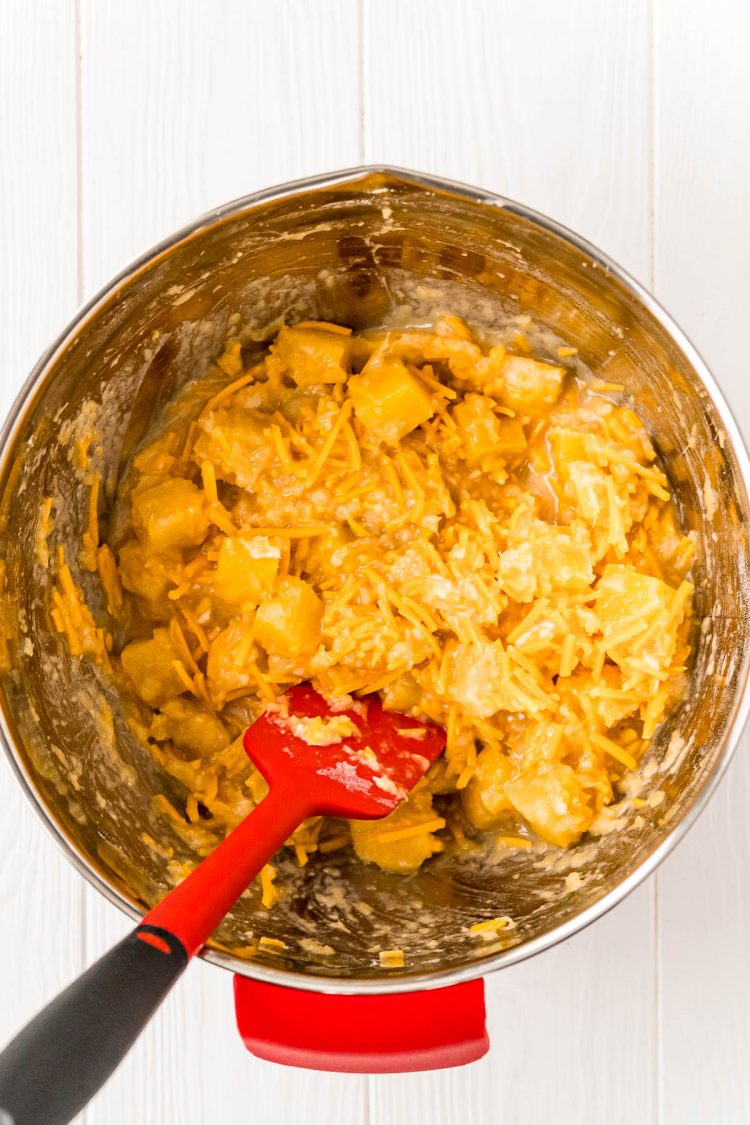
388 400
484 799
527 385
150 665
288 623
554 803
229 658
401 855
550 558
326 551
146 574
230 360
246 569
170 514
475 671
190 728
587 489
567 447
628 599
236 443
568 558
313 355
479 425
637 623
511 439
485 435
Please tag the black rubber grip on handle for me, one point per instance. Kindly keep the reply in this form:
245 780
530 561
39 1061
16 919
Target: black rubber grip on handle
68 1051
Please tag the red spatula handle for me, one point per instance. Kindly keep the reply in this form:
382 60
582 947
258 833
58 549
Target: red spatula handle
193 910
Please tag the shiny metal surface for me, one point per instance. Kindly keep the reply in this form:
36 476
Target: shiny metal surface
347 247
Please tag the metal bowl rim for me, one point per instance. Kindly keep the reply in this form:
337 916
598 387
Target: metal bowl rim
734 726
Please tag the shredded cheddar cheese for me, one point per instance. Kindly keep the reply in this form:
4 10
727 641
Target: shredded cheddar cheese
271 945
413 830
492 925
391 958
90 540
43 531
513 842
455 519
73 618
269 893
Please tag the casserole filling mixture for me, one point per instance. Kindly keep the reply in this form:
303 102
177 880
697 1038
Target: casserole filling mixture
471 525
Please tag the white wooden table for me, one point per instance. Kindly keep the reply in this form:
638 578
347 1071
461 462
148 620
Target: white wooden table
628 120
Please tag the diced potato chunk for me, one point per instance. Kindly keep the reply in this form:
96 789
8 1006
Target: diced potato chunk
551 558
587 489
609 702
288 623
626 598
511 439
475 673
639 628
543 743
144 573
190 728
567 446
246 569
462 356
230 360
479 680
484 433
229 657
236 443
479 425
312 355
323 553
389 400
554 803
403 855
150 665
401 695
484 799
170 514
527 385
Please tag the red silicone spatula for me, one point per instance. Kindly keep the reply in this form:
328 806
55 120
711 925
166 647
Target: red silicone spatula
60 1059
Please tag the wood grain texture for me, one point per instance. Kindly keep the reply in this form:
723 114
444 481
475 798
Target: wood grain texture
702 176
184 106
40 893
548 104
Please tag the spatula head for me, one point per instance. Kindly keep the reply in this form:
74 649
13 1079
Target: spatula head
355 762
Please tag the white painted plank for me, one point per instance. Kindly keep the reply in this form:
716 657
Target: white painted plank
186 105
41 895
569 1043
544 102
190 104
263 1091
547 103
546 111
703 276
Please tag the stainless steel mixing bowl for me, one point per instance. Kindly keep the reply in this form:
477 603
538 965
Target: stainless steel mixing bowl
347 247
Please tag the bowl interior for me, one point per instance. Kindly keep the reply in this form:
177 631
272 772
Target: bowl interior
351 251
